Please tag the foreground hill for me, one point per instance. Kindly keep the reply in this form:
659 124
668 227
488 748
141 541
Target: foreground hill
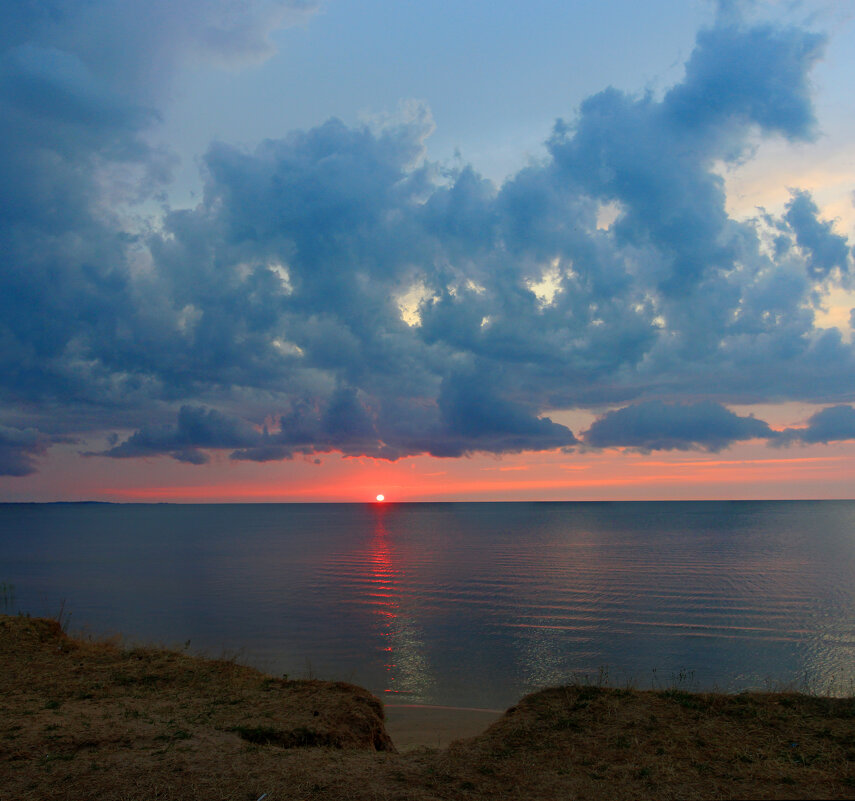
91 720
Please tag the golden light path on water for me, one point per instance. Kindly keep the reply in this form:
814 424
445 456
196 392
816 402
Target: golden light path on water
406 664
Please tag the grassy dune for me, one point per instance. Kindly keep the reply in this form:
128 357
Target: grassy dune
92 720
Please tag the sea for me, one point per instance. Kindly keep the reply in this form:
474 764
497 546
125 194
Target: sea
459 604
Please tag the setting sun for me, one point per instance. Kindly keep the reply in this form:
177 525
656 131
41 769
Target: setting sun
381 497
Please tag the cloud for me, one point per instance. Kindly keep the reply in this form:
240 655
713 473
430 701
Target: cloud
740 75
138 45
826 250
469 418
196 428
833 424
479 419
278 298
654 158
79 89
657 426
20 449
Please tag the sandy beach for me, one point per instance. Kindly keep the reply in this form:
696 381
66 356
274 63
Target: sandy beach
421 726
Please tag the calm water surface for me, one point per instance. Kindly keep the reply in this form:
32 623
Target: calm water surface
460 604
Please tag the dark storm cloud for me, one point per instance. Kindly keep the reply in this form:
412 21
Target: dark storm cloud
657 426
336 292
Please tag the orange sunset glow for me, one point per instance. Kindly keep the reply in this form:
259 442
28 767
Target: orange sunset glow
745 471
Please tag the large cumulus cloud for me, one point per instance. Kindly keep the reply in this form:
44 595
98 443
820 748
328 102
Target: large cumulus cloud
334 291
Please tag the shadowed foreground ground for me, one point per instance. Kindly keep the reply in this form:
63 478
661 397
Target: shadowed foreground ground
90 720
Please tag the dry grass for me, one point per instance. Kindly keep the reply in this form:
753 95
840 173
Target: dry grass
90 720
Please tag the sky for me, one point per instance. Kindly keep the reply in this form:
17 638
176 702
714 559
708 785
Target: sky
288 250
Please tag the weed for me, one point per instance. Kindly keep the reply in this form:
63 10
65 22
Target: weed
7 597
62 617
683 678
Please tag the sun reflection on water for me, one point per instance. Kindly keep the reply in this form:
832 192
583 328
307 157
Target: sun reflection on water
407 671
